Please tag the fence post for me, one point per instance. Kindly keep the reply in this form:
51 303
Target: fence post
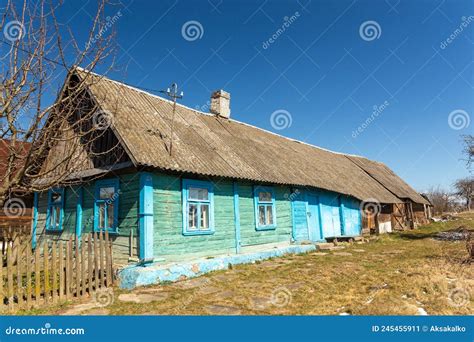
54 270
90 259
61 271
19 275
46 271
37 276
10 277
77 265
83 267
68 269
28 275
96 262
101 254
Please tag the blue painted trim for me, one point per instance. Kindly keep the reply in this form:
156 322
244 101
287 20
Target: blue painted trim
238 240
187 183
256 190
79 213
146 216
114 182
293 226
320 214
341 215
49 212
35 221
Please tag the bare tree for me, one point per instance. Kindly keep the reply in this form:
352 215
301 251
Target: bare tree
36 50
465 189
469 150
441 200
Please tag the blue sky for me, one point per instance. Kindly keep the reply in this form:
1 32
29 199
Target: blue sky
322 72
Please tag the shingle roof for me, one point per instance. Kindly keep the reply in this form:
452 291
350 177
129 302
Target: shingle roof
209 145
388 179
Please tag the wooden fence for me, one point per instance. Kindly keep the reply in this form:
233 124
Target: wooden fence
10 234
55 271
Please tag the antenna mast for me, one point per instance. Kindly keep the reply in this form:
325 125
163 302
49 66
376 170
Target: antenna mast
172 93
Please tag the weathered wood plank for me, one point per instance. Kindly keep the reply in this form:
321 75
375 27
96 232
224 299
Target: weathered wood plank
19 275
90 267
101 256
28 276
83 267
77 265
37 276
61 271
96 261
46 272
68 269
10 277
54 270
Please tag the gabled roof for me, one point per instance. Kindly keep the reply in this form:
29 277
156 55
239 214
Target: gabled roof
208 145
388 179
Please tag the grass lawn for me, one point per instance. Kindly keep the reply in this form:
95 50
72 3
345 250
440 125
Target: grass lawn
403 273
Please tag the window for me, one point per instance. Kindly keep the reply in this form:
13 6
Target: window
264 208
106 205
198 207
54 219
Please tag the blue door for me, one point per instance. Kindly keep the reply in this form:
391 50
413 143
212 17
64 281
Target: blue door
330 216
352 217
300 223
314 227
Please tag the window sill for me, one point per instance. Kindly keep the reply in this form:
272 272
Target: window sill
273 227
50 230
203 232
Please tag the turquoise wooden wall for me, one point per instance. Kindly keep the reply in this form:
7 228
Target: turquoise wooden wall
171 244
127 221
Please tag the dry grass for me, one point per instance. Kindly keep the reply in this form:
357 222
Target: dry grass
392 275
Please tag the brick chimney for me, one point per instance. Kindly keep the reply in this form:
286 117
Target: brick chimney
220 103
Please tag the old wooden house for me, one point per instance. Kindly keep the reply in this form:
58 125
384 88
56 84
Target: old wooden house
226 188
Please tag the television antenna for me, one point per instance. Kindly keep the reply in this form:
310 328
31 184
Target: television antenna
172 93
